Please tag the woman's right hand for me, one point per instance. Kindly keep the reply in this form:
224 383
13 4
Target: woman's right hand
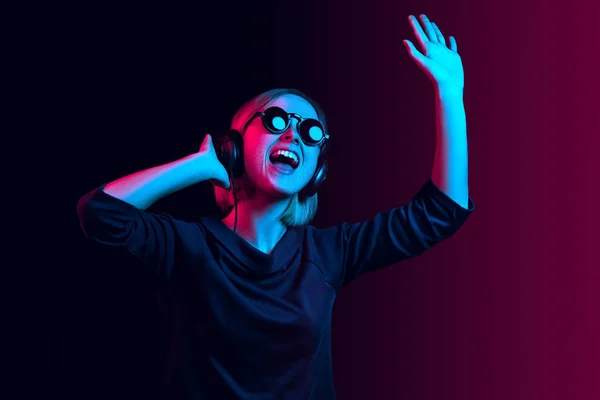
219 173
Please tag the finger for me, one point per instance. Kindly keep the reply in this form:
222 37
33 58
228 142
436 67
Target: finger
428 28
418 31
206 139
207 143
453 45
415 54
221 184
439 34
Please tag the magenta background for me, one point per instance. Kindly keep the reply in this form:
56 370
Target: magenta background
508 307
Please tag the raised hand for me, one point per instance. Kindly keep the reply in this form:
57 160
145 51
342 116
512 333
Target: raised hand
441 63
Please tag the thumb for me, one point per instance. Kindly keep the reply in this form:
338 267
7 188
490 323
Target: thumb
207 142
414 53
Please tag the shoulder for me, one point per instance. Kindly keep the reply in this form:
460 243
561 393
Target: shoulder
325 239
188 236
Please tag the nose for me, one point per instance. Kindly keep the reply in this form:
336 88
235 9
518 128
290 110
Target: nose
292 133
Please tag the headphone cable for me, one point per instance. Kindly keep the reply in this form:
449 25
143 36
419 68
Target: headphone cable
234 204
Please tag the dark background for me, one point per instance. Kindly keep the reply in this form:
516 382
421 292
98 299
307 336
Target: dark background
506 309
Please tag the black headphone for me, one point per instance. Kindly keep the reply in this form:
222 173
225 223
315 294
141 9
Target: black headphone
230 152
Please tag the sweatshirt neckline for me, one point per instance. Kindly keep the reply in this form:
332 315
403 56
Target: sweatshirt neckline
249 257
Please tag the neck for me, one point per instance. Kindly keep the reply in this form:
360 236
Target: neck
259 221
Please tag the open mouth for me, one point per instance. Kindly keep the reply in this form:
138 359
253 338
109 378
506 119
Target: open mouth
285 159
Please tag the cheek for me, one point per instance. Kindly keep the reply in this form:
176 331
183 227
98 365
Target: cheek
254 152
311 162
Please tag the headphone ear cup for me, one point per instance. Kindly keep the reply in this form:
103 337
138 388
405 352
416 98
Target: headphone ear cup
316 181
230 152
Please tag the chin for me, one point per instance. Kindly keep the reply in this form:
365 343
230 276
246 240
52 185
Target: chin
280 192
280 185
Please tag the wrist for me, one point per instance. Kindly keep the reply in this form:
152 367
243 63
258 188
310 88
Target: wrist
200 167
453 93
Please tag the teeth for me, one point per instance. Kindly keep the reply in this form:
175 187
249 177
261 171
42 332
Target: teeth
286 153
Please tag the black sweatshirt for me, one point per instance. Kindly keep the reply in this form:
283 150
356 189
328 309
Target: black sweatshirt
251 325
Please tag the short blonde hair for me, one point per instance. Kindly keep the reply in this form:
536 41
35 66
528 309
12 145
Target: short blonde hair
300 211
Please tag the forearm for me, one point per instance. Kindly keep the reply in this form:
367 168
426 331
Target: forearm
142 189
450 169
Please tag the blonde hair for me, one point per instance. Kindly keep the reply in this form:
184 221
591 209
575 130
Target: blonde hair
299 211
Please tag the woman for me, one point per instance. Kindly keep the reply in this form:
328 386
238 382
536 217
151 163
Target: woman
255 290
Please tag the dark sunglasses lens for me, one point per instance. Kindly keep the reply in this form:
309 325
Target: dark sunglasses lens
276 119
312 131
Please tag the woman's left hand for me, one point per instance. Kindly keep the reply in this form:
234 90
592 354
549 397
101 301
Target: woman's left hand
441 63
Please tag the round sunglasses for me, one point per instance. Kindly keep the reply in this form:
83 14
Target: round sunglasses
277 121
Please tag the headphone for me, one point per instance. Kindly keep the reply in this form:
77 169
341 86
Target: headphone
229 147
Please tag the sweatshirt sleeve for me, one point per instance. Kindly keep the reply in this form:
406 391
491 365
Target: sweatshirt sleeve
114 223
401 233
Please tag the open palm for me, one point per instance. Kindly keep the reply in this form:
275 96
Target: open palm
441 63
